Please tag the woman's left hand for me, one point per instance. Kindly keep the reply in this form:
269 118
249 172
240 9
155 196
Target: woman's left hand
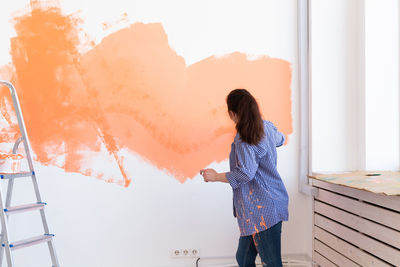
209 175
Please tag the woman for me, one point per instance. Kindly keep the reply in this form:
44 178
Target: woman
260 199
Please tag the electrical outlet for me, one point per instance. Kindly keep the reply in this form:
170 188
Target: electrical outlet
195 252
176 253
186 253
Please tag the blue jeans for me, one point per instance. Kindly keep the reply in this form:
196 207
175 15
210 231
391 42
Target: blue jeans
267 243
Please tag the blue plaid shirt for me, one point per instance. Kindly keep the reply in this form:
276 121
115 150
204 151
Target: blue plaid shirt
260 199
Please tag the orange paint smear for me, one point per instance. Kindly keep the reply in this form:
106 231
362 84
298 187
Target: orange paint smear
255 229
132 91
254 236
111 24
8 120
263 224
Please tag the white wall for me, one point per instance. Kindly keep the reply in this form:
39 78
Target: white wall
99 224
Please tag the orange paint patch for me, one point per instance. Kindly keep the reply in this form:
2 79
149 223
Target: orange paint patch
259 207
255 229
108 25
132 91
263 224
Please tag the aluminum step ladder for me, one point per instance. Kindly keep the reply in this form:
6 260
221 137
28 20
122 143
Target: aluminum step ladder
7 210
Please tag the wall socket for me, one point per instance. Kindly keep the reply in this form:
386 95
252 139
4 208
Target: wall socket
186 253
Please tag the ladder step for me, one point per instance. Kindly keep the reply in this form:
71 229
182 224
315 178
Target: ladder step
24 208
15 175
31 241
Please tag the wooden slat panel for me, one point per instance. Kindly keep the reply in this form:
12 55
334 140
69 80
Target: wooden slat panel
366 243
348 250
321 261
378 231
391 202
333 256
313 223
383 216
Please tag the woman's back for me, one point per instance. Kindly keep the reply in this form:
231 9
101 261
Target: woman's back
260 197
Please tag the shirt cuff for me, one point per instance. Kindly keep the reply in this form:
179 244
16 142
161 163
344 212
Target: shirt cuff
230 176
282 141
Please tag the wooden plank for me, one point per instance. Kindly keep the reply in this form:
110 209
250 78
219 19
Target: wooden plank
379 182
381 250
380 215
333 256
390 202
321 261
313 223
378 231
347 249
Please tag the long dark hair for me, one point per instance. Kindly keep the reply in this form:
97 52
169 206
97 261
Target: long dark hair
250 125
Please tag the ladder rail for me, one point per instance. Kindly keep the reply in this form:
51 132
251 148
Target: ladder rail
16 144
21 123
4 235
27 147
11 181
7 205
10 187
53 253
24 139
4 217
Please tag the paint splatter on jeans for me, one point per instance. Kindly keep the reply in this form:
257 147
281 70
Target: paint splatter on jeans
267 243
